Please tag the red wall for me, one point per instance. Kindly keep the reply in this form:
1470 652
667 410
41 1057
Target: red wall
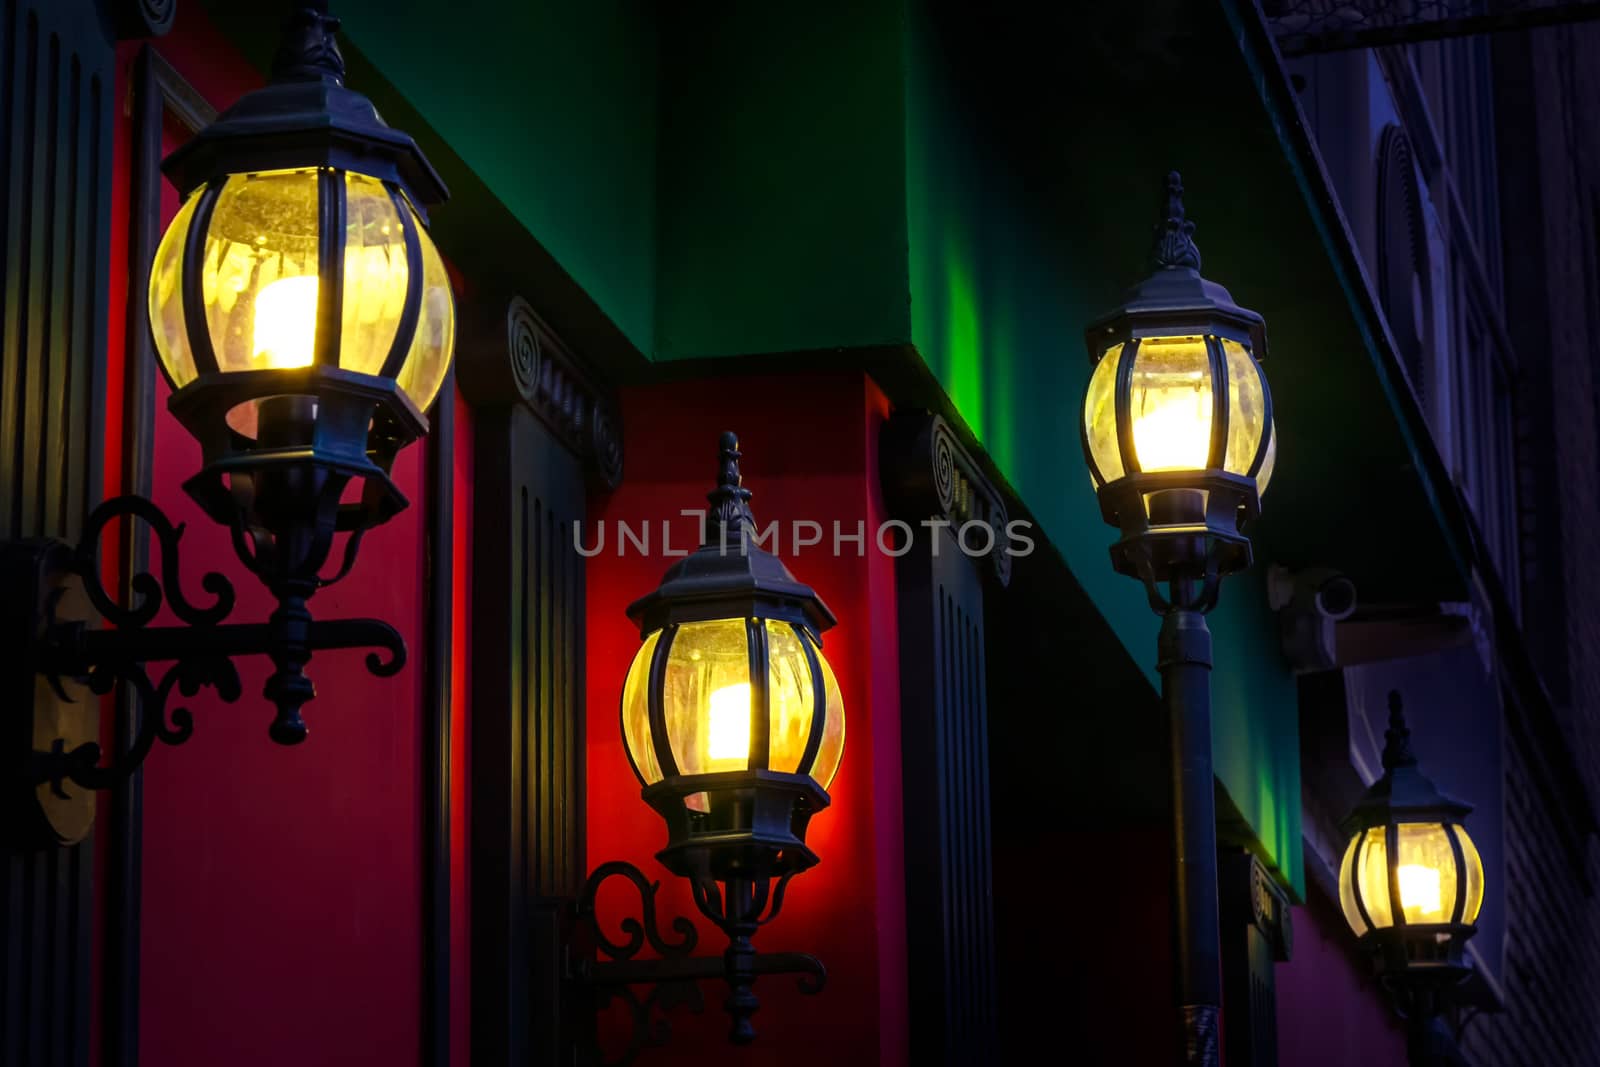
1330 1012
810 445
282 916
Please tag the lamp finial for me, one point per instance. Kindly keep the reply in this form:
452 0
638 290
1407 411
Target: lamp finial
1397 751
730 500
309 50
1174 245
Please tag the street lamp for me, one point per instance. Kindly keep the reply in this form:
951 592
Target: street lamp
734 725
1177 430
304 320
1411 885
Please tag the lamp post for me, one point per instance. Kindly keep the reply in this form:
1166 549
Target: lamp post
1410 886
1177 431
304 320
734 725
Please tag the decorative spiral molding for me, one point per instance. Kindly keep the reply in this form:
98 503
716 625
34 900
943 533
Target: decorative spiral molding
523 347
538 370
927 474
143 18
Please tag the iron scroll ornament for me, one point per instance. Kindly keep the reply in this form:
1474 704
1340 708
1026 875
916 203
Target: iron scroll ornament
201 650
675 971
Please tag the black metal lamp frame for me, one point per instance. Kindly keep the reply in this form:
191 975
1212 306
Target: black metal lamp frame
279 493
1178 524
738 853
1183 530
1418 964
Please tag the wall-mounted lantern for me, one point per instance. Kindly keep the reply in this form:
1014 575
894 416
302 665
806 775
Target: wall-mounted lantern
735 727
304 320
1177 430
1410 885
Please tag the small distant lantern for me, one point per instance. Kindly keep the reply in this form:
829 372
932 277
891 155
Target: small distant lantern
304 319
1411 881
1177 418
733 722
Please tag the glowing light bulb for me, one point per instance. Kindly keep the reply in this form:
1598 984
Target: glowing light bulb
1173 431
1419 890
730 724
286 322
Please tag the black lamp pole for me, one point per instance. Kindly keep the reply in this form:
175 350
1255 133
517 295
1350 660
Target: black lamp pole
1184 659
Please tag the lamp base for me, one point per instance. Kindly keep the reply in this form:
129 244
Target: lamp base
736 824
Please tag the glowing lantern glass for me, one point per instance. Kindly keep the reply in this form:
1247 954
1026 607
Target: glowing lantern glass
713 707
258 261
1177 417
1411 881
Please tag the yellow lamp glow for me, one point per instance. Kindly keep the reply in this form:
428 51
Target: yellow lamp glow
705 697
730 724
258 264
286 322
1426 871
1419 890
1171 404
1172 409
1173 430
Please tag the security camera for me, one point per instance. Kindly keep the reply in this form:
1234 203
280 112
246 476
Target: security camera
1309 604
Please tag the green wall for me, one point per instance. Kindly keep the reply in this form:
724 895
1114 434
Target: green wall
781 179
554 106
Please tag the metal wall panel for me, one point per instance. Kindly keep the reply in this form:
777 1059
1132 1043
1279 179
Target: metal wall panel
544 434
56 71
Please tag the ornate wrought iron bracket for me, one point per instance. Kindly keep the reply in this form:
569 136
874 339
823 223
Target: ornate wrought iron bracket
738 909
55 590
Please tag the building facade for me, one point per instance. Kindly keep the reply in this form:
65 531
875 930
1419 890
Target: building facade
867 238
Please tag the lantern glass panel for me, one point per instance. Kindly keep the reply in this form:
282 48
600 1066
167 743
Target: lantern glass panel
792 696
434 342
1347 887
259 271
1247 411
636 712
1427 873
1474 874
1269 461
1100 417
705 695
1171 405
831 751
1372 877
166 299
